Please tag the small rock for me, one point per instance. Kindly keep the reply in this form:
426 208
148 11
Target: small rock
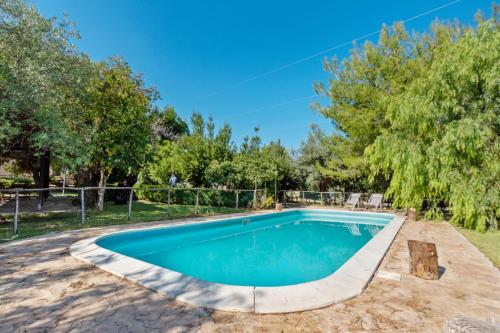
461 324
367 322
339 307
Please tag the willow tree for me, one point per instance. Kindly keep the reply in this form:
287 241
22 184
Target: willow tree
118 114
442 141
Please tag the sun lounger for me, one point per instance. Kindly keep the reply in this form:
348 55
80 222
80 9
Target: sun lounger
353 200
375 201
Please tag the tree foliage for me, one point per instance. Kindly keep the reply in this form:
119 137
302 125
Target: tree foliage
420 112
42 81
442 142
118 115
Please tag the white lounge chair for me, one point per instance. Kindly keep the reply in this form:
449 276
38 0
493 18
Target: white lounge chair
353 200
375 201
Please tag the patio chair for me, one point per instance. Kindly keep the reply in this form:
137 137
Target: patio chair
375 201
353 200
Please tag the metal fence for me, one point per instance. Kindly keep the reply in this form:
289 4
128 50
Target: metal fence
38 211
33 212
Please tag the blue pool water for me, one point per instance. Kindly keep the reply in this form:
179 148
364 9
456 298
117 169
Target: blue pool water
274 249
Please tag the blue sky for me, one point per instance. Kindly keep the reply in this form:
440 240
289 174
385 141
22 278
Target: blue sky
194 51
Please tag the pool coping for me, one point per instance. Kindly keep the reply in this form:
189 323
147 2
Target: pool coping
348 281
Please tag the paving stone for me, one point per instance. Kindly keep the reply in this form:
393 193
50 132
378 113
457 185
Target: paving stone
42 288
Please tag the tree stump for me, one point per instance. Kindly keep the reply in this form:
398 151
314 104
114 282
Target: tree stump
412 214
423 260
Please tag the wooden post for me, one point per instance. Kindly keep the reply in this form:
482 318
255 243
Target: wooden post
82 200
412 214
40 201
255 194
16 215
321 194
64 180
130 199
197 198
275 191
423 260
237 198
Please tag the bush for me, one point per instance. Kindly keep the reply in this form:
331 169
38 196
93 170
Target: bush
15 181
187 196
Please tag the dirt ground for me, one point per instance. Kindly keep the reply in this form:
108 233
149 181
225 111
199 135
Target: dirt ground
30 205
44 289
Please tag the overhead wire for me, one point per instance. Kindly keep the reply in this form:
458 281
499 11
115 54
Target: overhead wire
317 54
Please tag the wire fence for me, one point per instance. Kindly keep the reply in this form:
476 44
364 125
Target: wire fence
31 212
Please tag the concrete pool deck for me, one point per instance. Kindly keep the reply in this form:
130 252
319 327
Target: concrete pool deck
43 288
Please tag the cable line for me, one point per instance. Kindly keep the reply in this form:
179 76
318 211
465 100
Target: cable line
317 54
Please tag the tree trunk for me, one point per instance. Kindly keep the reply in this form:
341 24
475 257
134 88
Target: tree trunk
423 260
45 173
103 179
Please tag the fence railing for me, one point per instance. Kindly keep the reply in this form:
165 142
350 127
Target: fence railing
325 198
78 202
61 208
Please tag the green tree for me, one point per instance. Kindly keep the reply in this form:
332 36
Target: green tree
42 95
191 155
310 171
442 142
167 125
118 114
360 87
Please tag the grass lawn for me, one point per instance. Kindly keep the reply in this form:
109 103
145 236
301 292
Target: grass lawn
39 224
488 243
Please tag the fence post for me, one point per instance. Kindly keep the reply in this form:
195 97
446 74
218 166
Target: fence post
237 198
197 198
303 197
130 199
16 215
168 197
40 200
322 202
254 198
82 200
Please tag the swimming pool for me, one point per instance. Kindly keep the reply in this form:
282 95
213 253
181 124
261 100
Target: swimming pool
249 258
269 250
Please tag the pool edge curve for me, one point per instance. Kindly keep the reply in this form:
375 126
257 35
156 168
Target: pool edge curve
348 281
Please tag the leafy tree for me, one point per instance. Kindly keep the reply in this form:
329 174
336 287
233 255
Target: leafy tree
118 113
359 88
167 125
42 95
311 158
442 143
191 155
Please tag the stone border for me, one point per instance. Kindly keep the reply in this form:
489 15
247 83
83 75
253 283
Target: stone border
348 281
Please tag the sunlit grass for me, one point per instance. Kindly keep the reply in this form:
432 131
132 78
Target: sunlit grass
488 243
39 224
